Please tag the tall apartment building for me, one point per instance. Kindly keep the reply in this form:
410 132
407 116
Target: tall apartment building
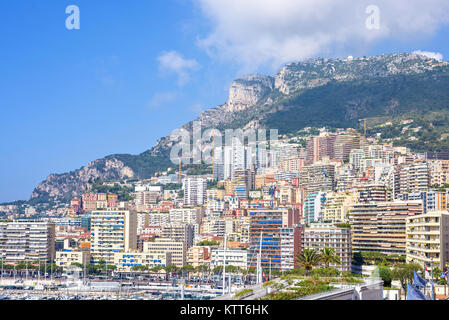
428 239
214 226
373 193
336 206
236 156
432 200
179 232
268 224
218 164
321 147
186 215
313 207
438 172
94 201
343 146
263 179
89 201
287 194
195 191
198 255
291 245
356 156
146 198
292 165
158 218
414 177
22 241
380 226
318 177
243 181
112 231
177 249
327 235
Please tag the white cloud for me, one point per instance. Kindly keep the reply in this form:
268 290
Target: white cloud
173 62
161 98
272 32
432 55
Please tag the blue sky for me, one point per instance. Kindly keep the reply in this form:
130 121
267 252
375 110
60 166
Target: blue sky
138 69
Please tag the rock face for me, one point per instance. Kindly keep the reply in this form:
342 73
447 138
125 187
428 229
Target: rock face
317 72
247 91
251 98
65 186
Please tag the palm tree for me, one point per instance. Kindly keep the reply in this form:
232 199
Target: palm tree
202 269
188 269
169 269
308 259
329 256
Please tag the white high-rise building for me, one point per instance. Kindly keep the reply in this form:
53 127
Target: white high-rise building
237 157
195 191
227 163
186 215
112 231
219 169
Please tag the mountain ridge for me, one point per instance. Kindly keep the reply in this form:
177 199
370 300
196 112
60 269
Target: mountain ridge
324 91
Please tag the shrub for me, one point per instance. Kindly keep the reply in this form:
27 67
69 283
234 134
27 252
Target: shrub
242 293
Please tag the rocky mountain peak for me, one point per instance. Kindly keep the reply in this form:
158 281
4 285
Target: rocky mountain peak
316 72
247 91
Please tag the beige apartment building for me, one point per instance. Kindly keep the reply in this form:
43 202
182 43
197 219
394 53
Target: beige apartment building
66 258
428 239
22 241
198 255
336 207
177 249
125 261
439 172
327 235
380 226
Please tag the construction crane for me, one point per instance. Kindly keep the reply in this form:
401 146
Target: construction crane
179 173
213 158
364 126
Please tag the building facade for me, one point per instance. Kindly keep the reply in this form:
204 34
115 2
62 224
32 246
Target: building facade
22 241
428 239
112 231
327 235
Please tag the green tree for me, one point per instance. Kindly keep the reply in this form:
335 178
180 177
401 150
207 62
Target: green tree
170 269
188 269
329 256
139 268
308 259
436 273
385 275
404 273
156 269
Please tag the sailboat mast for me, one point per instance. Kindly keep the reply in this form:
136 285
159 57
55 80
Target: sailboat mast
224 266
259 261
